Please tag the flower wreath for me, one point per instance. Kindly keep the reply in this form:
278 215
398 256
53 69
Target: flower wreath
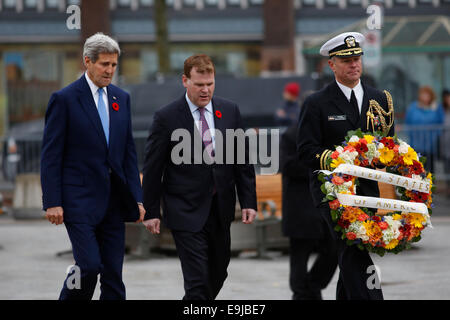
394 231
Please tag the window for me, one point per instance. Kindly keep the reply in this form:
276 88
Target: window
257 2
331 2
234 2
76 2
30 3
124 3
9 3
309 3
189 3
51 3
211 2
146 3
354 2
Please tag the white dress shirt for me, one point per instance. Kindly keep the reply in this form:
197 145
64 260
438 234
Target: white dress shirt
209 116
359 93
94 90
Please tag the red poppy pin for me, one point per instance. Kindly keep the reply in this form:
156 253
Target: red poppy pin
218 114
115 106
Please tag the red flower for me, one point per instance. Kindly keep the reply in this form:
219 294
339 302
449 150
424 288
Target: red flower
361 148
343 223
416 167
218 114
364 163
376 218
422 197
334 204
388 142
115 106
363 217
347 177
349 149
351 235
383 225
335 155
337 180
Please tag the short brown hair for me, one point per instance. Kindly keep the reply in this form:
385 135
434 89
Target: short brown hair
202 62
430 91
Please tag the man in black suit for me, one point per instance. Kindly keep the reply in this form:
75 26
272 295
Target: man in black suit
325 119
304 225
198 197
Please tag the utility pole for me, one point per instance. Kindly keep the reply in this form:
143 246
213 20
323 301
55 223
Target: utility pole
162 36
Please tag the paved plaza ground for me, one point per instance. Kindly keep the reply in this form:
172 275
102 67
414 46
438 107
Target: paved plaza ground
30 269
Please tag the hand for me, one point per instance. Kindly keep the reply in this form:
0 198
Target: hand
248 215
54 215
281 113
152 225
141 213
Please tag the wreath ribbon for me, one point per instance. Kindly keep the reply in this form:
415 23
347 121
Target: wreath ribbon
381 176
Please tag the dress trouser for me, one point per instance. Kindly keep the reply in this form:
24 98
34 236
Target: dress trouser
204 256
97 249
307 285
355 272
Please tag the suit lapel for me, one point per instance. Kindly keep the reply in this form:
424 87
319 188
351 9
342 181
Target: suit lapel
364 108
218 121
341 102
88 105
114 119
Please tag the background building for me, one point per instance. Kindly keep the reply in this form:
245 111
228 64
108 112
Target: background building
39 52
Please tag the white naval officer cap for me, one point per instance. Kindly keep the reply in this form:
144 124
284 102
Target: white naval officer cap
347 44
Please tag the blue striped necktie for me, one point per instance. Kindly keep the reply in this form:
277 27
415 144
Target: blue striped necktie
103 114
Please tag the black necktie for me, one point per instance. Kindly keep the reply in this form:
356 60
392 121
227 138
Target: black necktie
354 103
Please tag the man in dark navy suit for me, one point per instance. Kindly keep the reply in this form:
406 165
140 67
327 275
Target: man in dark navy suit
198 198
89 175
325 119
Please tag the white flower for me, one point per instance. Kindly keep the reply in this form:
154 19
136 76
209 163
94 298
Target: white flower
380 146
340 149
403 148
354 139
349 157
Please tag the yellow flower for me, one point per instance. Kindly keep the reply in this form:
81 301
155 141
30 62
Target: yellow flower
392 244
397 216
415 219
410 156
369 139
336 162
430 178
386 155
372 229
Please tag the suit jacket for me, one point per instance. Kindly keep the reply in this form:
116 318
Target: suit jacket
301 219
78 170
320 130
187 189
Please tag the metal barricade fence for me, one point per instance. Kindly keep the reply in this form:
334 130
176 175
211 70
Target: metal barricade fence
431 141
427 140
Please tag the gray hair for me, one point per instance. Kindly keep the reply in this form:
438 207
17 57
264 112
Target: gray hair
99 43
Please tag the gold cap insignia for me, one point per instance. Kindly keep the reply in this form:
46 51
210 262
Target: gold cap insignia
350 42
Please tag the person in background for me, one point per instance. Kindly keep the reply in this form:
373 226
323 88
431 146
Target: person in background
288 114
304 225
425 112
445 138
